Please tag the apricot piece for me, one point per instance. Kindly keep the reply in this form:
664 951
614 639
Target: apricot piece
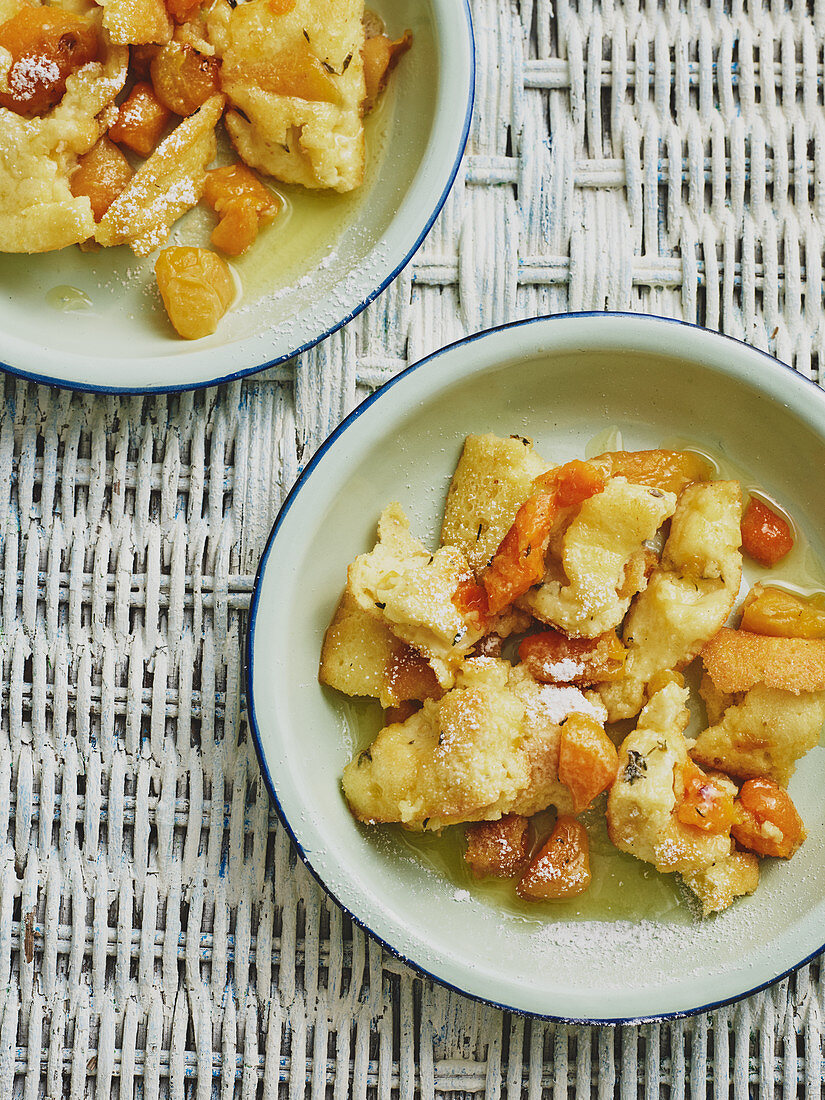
47 45
182 10
294 71
401 713
672 471
243 204
196 287
470 600
141 120
184 79
767 822
588 761
498 848
519 561
766 536
411 676
101 175
236 230
562 867
706 803
381 54
781 614
553 658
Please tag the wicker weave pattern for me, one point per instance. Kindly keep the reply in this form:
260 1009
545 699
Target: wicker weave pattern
156 935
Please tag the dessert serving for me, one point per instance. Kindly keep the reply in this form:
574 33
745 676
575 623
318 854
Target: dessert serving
111 117
536 671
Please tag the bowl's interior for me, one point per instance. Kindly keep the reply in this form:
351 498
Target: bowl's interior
79 317
404 446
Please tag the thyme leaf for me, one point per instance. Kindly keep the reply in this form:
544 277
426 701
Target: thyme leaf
636 766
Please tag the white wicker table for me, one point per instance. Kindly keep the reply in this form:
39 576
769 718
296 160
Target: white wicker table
156 935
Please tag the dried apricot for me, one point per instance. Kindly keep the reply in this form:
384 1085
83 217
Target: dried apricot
781 614
401 712
47 45
669 470
381 55
498 848
295 71
519 561
767 822
706 803
141 120
196 287
411 676
553 658
243 204
766 536
562 867
182 10
101 174
184 79
588 760
471 601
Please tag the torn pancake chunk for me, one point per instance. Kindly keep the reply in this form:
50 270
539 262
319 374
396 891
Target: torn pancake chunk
642 807
458 759
688 596
766 703
492 480
294 76
165 186
763 733
603 559
412 591
136 22
719 885
737 660
362 656
489 747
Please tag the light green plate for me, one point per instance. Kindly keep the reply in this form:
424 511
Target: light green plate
95 321
561 381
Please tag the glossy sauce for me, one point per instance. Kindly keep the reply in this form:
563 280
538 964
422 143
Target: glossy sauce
68 299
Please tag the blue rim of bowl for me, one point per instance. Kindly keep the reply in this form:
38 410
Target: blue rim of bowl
250 695
82 387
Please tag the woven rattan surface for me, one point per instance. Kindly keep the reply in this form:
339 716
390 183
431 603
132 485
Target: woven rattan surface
156 935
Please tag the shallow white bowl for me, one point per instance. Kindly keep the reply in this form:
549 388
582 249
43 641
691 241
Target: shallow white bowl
560 381
306 276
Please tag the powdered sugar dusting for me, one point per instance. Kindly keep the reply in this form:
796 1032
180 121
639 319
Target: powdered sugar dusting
31 73
554 703
563 671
